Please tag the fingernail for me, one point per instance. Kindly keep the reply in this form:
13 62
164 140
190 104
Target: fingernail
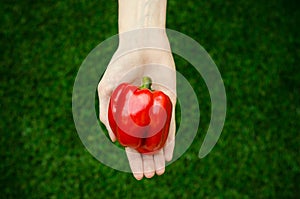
138 176
160 171
168 158
149 175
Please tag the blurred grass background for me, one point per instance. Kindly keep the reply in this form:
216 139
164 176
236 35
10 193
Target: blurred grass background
255 45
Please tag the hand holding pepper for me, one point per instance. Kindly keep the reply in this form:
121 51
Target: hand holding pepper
135 64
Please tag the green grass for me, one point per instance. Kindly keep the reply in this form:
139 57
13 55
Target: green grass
256 48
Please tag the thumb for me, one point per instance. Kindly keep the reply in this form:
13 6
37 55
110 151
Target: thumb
104 96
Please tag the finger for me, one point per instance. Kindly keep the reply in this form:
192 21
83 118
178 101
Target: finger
172 96
104 118
170 143
149 169
159 161
103 95
136 162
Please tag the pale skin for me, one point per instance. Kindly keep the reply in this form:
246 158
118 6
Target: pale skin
131 62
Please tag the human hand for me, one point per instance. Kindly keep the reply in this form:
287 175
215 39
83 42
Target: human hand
131 66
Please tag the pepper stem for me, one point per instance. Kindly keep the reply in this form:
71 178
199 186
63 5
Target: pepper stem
146 83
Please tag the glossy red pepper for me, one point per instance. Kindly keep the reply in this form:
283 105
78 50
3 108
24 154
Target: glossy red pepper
140 117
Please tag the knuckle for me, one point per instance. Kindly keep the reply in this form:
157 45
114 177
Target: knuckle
103 89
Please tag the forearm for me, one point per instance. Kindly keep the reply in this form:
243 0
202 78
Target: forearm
136 14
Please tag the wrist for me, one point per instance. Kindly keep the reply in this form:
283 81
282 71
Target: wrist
145 38
137 14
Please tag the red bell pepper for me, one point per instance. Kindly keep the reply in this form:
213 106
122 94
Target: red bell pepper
140 117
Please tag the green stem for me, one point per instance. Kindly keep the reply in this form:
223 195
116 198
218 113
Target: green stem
146 83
